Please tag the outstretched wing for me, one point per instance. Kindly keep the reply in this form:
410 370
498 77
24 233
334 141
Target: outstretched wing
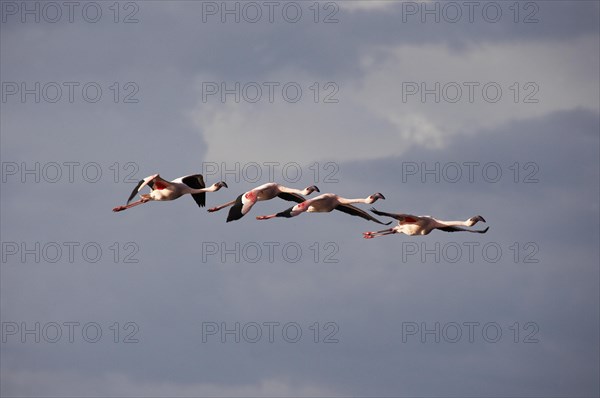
240 208
150 181
196 181
292 197
135 191
235 213
403 218
355 211
457 229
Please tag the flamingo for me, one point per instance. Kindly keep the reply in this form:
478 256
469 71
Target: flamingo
243 203
165 190
327 202
423 225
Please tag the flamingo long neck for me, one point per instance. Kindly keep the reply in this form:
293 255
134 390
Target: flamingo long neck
303 192
212 188
467 223
345 201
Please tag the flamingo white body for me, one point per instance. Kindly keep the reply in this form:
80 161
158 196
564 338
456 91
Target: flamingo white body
328 202
244 202
163 190
423 225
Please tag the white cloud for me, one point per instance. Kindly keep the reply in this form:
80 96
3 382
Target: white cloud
373 120
548 67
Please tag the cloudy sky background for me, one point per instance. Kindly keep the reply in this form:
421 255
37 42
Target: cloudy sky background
366 142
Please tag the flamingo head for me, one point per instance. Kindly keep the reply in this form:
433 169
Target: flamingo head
476 219
311 189
376 196
221 184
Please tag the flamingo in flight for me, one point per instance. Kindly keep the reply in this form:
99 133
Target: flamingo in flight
423 225
243 203
328 202
171 190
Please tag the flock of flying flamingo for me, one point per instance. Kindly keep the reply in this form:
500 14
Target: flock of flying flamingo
163 190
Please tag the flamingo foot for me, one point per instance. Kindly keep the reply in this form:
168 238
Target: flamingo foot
119 208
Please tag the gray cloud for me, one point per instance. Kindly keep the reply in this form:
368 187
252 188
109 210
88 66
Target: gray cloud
369 293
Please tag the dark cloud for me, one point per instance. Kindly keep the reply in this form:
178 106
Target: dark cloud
369 293
374 287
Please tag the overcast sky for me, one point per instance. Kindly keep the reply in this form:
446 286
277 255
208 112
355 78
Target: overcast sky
452 109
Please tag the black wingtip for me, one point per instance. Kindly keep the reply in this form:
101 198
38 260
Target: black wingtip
200 199
230 219
235 213
374 210
135 191
234 216
381 222
287 213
